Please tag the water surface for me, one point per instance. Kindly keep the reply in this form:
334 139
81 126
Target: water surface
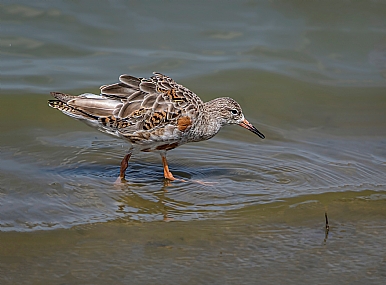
311 77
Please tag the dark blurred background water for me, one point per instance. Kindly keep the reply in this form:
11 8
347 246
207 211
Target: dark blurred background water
309 74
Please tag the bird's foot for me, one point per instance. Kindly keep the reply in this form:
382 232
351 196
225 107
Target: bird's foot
168 181
120 181
205 183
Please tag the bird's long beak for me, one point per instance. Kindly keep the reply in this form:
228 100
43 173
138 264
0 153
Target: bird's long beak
250 127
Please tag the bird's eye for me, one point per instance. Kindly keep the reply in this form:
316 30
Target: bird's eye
234 112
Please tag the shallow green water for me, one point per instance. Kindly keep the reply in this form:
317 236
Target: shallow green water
311 77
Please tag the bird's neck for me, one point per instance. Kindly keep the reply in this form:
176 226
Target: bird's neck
209 123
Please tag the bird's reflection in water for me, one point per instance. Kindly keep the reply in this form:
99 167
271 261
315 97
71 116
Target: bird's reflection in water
136 205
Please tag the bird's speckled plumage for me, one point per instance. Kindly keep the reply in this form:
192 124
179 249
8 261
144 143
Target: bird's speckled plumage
155 114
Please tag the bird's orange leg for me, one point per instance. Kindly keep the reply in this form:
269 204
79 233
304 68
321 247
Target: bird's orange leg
124 165
167 173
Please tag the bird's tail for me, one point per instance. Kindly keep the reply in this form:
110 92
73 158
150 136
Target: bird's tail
61 105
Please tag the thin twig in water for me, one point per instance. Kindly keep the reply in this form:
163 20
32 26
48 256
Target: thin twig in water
327 229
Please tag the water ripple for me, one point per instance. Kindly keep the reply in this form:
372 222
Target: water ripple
74 178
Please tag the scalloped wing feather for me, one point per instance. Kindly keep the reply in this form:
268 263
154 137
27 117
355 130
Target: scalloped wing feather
141 110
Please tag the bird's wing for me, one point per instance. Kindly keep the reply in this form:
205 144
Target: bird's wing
136 108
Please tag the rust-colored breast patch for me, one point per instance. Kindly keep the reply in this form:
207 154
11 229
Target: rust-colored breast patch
183 123
167 146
